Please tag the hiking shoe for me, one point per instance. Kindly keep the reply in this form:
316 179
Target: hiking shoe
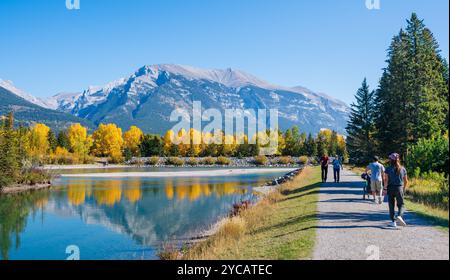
401 221
393 225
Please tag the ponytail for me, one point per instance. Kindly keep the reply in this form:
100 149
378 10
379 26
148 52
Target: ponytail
396 164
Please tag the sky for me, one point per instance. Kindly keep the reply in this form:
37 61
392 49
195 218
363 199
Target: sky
327 46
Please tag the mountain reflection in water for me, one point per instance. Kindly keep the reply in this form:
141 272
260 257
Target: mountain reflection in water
125 218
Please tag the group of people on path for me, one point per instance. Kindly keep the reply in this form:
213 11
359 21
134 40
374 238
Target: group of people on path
391 182
337 167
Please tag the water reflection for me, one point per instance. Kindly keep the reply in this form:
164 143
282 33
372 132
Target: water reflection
114 219
111 192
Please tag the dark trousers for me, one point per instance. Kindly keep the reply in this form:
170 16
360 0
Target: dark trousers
396 195
324 173
337 174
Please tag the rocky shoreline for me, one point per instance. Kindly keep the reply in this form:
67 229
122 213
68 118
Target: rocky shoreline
15 189
263 190
245 162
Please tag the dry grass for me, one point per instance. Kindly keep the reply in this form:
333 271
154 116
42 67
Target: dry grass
280 226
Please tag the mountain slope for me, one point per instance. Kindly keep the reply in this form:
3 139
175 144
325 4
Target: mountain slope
26 113
147 98
9 86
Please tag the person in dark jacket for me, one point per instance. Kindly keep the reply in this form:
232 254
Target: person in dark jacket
324 160
395 183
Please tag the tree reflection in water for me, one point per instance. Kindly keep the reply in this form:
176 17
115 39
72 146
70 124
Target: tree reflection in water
147 211
14 211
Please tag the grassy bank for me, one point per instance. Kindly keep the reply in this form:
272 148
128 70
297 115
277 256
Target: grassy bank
427 197
280 226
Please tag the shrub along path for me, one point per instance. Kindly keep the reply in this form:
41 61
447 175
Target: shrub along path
352 228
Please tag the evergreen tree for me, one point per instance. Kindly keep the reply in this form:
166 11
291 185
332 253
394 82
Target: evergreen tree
9 166
63 140
412 99
310 146
322 145
333 145
151 145
52 141
361 126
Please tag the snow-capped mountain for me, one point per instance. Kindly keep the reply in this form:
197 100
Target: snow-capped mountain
147 97
27 111
8 85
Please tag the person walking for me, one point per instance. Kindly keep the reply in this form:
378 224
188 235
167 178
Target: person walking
376 171
324 160
395 182
337 166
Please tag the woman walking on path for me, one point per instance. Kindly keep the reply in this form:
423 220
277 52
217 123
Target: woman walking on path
324 165
395 182
337 166
376 179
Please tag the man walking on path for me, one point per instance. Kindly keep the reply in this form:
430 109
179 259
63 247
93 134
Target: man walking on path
396 181
376 179
337 166
324 165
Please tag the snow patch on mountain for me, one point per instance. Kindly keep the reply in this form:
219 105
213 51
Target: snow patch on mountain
8 85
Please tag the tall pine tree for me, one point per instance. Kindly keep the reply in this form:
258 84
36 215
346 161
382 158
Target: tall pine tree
361 126
412 99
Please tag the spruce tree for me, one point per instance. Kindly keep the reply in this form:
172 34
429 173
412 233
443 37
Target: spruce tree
310 146
361 126
412 99
9 167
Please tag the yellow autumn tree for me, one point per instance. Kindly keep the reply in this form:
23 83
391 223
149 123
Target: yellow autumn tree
183 140
132 139
62 156
228 144
108 142
195 142
168 142
79 141
38 144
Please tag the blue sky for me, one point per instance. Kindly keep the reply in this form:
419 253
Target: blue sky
325 45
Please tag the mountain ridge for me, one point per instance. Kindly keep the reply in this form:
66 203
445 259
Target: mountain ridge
146 97
27 113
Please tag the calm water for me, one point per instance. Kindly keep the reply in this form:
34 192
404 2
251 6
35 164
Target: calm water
126 218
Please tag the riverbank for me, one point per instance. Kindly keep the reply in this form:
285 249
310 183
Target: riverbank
187 162
197 173
280 226
15 189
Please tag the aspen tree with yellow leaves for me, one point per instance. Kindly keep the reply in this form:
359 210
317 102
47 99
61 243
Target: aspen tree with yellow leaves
132 138
38 145
108 142
80 142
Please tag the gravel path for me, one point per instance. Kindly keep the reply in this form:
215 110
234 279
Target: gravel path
351 228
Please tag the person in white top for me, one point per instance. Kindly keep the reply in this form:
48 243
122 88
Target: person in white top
376 171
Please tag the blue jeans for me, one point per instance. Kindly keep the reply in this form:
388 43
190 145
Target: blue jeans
337 174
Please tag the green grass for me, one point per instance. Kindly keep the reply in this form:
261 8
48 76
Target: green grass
428 198
281 226
436 217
